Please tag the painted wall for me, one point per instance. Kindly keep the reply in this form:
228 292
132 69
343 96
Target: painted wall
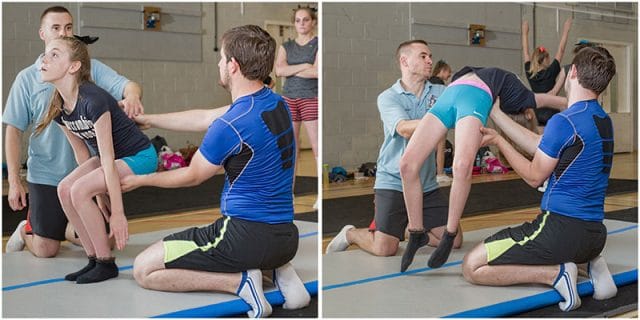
360 41
168 86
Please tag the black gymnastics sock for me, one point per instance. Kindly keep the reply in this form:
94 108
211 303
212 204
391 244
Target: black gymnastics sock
104 269
75 275
440 256
417 239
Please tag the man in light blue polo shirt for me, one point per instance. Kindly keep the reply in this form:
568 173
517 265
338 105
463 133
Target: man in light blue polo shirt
401 108
50 157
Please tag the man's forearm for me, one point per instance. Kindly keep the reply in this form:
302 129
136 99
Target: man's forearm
196 120
406 128
520 135
13 150
517 161
132 90
176 178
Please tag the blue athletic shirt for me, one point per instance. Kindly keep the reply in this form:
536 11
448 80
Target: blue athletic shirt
92 103
254 142
50 157
581 138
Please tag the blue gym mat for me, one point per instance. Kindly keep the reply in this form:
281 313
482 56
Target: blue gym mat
35 288
357 284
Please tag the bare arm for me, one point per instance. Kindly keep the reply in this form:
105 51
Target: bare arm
311 72
559 83
198 171
283 69
563 39
17 196
525 41
132 103
196 120
405 128
80 149
534 172
117 221
520 135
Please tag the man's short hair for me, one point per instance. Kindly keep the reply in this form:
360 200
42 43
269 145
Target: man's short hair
54 9
405 44
595 67
253 48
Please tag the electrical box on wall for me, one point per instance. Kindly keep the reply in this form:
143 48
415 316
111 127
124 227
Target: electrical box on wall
151 18
477 35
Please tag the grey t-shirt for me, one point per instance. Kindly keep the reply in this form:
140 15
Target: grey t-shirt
296 87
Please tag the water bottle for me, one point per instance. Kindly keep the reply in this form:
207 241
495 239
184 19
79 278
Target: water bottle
325 175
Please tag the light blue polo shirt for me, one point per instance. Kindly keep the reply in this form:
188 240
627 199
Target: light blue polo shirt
396 104
50 157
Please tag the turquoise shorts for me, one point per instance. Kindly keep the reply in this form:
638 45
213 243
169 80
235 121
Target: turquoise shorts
459 101
143 162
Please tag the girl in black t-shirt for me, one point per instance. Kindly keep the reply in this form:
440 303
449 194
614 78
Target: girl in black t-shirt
541 71
89 115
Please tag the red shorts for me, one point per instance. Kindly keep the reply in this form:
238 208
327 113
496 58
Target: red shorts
303 109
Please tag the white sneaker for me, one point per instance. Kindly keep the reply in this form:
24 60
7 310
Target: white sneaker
315 205
252 293
339 242
443 180
16 243
290 285
603 285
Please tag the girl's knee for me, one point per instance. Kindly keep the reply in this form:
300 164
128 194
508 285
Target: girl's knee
78 194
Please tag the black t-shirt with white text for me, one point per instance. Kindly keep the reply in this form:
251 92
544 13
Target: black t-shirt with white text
92 103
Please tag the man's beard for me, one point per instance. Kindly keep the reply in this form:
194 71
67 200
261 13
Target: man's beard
225 81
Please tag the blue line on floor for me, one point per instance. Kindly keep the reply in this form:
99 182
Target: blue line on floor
43 282
54 280
419 270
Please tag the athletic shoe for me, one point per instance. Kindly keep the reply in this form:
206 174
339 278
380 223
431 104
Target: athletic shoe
339 242
290 285
566 286
444 180
16 243
603 285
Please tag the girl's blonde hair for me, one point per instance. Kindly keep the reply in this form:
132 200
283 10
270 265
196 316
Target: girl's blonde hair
538 58
77 52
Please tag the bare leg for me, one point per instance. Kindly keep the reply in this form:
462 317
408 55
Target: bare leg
82 193
376 243
150 273
70 235
467 143
436 233
468 140
424 140
312 133
548 100
40 247
563 277
440 157
64 194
